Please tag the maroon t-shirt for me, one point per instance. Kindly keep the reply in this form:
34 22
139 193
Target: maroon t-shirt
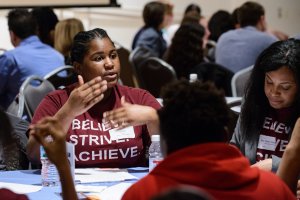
274 135
90 134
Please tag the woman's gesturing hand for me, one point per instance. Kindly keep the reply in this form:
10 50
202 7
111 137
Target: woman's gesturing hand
86 95
130 115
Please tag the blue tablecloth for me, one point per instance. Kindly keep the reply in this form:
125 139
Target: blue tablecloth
33 177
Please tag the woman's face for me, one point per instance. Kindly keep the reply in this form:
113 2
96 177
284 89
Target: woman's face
280 87
101 60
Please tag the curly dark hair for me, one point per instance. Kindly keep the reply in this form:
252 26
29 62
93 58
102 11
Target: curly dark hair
193 113
81 43
256 105
186 50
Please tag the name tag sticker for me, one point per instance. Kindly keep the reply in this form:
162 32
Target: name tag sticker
267 143
117 134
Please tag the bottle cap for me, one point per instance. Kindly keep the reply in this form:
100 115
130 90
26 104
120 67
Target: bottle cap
193 77
155 138
43 154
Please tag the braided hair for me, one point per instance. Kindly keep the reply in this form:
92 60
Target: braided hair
81 43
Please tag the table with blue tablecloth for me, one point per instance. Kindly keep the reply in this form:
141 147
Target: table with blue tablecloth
33 177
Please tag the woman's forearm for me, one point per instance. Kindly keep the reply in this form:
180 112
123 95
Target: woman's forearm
65 116
67 183
33 150
289 168
153 123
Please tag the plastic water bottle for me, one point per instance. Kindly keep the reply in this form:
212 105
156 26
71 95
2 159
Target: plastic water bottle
193 77
49 172
155 155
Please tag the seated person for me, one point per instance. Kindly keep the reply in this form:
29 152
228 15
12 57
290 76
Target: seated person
150 35
239 48
194 140
29 57
13 142
80 107
271 105
46 21
193 132
65 30
186 56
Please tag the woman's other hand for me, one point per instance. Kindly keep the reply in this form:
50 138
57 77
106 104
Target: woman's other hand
131 115
50 134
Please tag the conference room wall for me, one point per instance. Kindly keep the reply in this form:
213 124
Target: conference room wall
122 23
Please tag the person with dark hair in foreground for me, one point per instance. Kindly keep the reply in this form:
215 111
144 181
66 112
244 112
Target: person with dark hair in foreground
193 136
183 193
193 125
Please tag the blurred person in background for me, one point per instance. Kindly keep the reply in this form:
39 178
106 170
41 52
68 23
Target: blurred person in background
239 48
150 36
13 141
219 23
186 55
46 21
29 57
65 30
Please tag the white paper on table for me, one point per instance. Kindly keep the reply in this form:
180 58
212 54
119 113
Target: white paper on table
20 188
114 192
90 171
90 188
105 177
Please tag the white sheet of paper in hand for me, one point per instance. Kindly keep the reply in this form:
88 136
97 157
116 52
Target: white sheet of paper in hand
20 188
